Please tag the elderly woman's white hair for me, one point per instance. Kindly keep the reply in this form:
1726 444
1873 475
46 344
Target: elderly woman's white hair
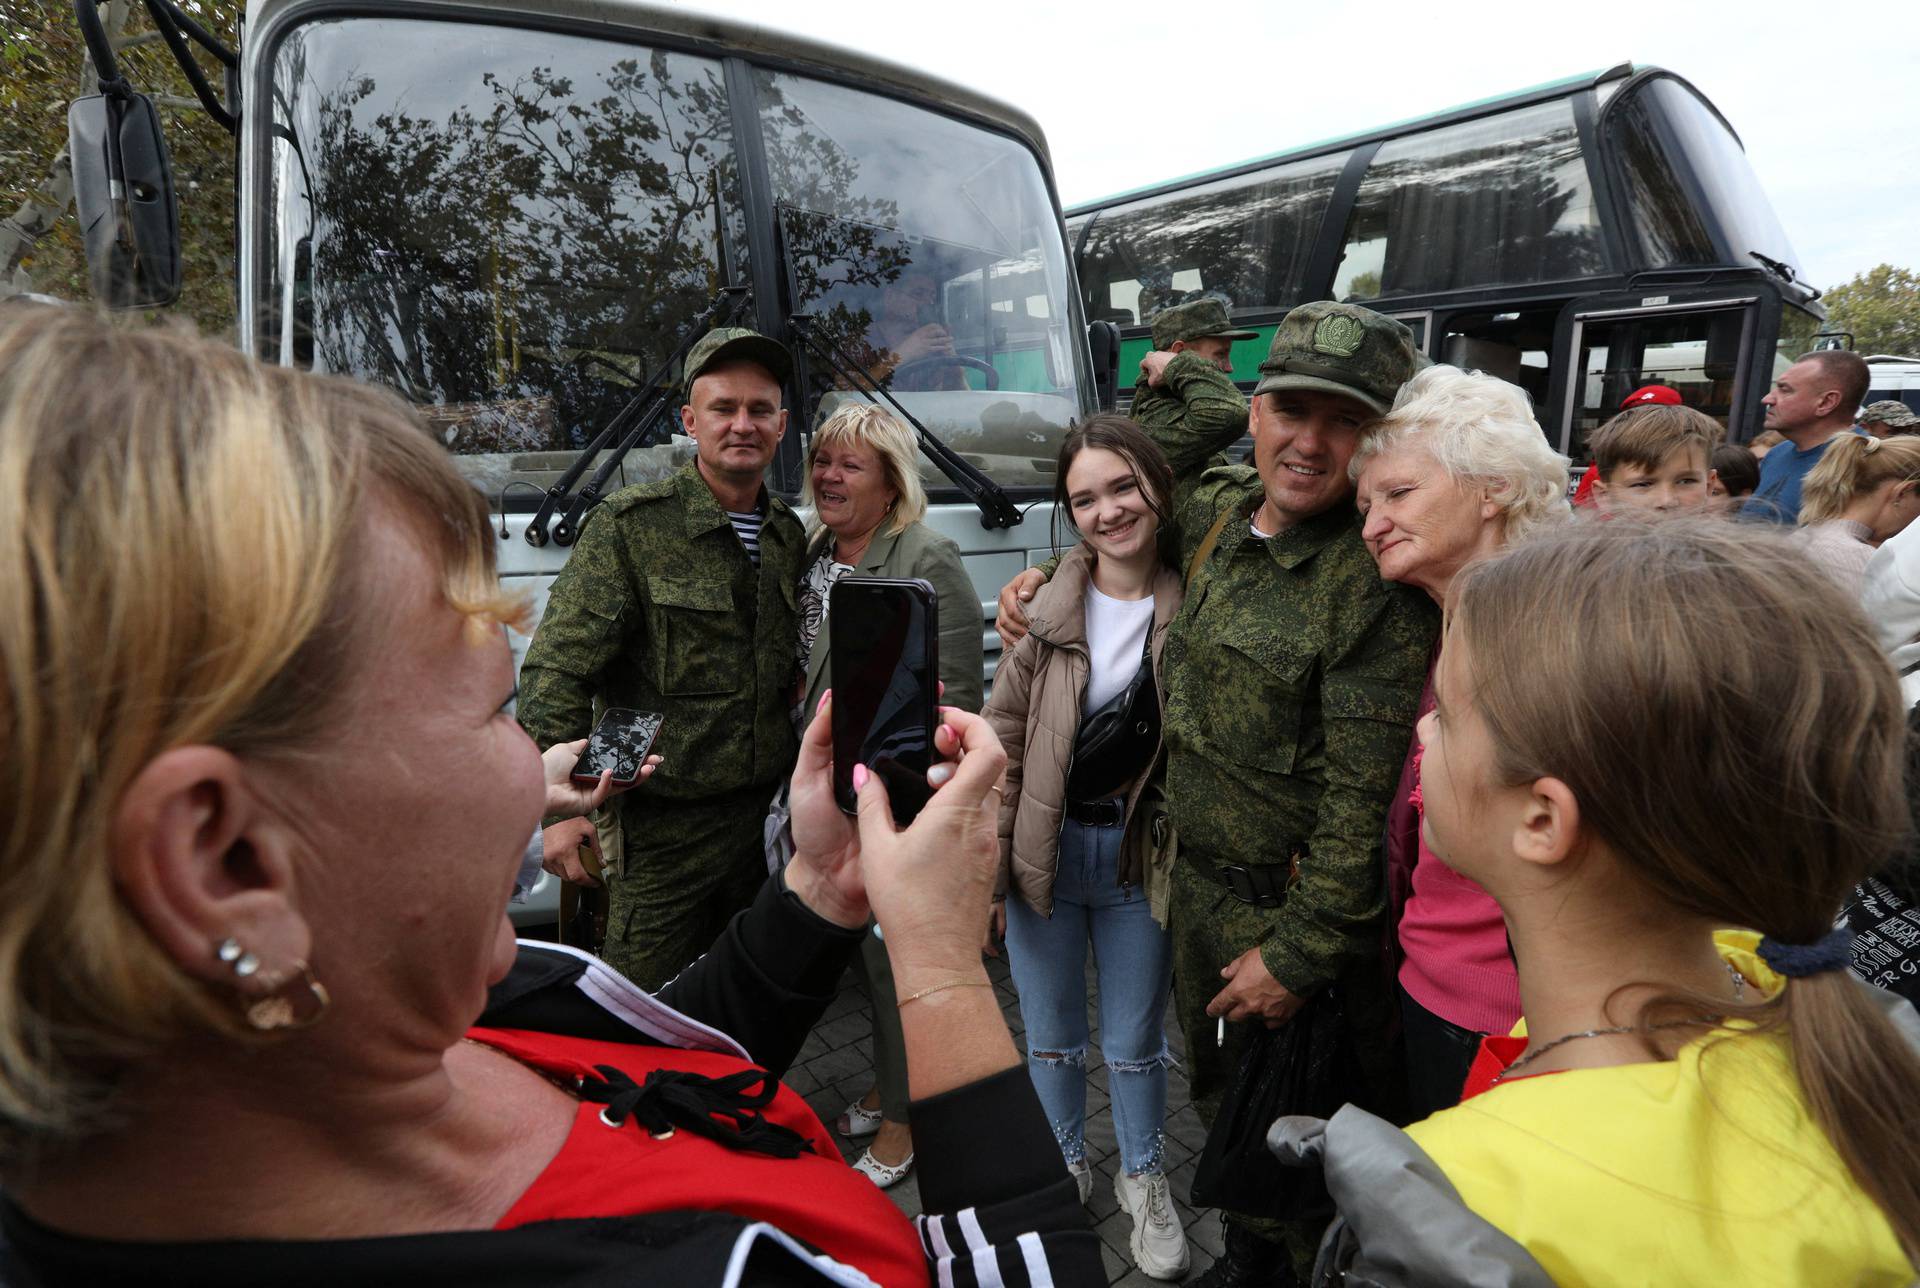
862 424
1480 429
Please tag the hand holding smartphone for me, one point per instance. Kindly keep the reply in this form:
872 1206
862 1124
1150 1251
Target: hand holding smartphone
883 643
620 742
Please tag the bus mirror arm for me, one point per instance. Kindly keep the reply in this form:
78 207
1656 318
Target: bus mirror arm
641 435
996 508
720 311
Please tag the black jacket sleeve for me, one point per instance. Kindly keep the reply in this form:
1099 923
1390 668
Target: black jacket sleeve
768 978
992 1181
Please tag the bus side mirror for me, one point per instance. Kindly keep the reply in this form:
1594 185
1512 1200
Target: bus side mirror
123 194
1103 341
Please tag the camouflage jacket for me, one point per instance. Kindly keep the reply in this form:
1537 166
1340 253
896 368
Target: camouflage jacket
1293 677
1194 395
659 608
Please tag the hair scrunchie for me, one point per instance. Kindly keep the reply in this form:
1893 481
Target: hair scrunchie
1832 951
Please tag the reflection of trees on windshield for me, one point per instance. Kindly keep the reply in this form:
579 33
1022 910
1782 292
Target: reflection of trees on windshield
500 250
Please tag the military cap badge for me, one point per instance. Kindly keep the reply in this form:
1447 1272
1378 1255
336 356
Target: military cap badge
1338 335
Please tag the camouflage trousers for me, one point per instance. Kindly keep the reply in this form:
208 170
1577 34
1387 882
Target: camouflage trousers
687 868
1210 928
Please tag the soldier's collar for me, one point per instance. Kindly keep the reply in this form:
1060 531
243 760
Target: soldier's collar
1307 538
702 508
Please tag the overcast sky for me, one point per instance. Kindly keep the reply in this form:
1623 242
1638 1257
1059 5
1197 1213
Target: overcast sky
1825 97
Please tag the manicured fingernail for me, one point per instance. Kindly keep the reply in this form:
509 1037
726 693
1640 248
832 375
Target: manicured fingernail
859 777
823 702
939 775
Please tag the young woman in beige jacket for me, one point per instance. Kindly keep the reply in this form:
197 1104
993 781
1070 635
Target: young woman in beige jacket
1077 704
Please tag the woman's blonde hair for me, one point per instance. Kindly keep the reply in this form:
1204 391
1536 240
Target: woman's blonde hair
1612 655
1853 465
862 424
1481 431
187 529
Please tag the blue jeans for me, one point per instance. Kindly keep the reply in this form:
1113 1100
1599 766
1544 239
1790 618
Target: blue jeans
1134 959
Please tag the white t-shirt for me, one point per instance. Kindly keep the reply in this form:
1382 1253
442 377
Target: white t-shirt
1116 637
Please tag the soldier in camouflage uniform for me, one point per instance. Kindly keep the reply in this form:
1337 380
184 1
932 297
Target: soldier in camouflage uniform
663 607
1293 678
1188 378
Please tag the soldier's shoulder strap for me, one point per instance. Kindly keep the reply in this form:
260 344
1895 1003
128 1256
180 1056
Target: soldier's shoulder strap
1208 542
628 497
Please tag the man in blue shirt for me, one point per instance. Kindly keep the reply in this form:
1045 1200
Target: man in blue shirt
1812 403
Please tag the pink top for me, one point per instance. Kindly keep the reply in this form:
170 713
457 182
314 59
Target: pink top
1455 943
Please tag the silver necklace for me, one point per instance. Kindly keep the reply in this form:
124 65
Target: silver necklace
1739 992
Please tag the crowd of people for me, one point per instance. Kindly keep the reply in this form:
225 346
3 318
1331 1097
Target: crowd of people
1577 824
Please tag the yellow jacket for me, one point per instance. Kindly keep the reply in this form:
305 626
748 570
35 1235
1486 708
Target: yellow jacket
1705 1169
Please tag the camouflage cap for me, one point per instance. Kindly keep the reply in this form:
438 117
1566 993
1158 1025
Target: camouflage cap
726 344
1195 320
1890 412
1340 349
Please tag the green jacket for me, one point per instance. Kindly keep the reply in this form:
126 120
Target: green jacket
918 552
1193 395
659 608
1293 678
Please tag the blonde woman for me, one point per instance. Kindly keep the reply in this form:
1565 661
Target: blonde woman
863 482
262 1015
1863 491
1458 470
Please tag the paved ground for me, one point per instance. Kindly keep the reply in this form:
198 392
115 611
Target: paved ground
836 1067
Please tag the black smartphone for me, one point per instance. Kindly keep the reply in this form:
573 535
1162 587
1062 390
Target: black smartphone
620 742
883 641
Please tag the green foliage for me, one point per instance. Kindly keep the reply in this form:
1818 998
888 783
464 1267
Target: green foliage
41 64
1881 307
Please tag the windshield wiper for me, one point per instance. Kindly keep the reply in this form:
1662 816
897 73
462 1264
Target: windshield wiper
996 509
631 427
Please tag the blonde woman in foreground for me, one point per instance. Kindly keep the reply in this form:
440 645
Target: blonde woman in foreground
1667 752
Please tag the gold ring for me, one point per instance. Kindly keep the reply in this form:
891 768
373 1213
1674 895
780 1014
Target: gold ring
995 789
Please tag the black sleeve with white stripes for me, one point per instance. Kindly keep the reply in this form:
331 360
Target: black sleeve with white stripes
1001 1208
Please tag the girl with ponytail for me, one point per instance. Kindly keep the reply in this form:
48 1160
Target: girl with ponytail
1862 492
1668 752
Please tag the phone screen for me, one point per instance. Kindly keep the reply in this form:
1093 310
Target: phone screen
882 640
620 742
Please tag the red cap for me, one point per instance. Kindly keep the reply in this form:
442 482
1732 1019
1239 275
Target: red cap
1645 394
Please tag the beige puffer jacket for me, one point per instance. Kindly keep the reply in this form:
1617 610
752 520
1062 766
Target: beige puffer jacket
1035 710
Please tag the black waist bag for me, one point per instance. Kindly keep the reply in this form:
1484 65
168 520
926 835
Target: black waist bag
1306 1066
1117 741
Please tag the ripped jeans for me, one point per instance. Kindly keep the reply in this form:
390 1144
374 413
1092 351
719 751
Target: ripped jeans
1134 960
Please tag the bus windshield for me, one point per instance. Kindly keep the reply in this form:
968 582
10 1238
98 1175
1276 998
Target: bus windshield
930 253
514 228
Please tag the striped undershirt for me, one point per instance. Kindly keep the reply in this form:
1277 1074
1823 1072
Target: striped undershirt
746 526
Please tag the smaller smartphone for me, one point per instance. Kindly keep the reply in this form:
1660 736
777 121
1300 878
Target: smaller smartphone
620 742
883 640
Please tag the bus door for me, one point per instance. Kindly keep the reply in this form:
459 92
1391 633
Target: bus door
1702 348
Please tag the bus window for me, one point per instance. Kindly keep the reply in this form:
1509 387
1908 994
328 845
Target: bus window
1694 353
1797 330
509 228
1668 221
930 252
1515 345
1246 238
1504 200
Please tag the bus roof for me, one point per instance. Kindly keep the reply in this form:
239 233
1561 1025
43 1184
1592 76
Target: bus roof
684 26
1479 107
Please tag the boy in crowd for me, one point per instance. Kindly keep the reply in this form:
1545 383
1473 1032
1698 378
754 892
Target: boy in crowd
1656 457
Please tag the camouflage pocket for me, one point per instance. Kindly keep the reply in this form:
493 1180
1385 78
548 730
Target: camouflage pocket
1254 710
700 644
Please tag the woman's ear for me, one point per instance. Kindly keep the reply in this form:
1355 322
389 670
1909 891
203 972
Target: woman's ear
201 860
1549 826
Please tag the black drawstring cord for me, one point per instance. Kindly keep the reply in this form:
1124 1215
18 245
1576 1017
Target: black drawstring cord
672 1098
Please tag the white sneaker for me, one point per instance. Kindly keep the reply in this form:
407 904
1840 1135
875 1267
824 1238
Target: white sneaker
1082 1173
1159 1244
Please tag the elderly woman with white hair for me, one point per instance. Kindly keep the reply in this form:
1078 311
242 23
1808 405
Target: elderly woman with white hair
863 482
1457 470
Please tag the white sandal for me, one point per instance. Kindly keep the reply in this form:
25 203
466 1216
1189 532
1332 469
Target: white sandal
884 1175
858 1121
